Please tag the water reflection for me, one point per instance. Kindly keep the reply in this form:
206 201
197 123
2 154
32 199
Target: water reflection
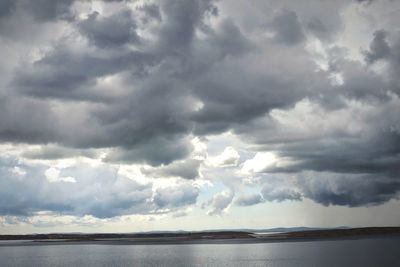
366 253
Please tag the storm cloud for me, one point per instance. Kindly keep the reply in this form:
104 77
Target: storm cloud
126 84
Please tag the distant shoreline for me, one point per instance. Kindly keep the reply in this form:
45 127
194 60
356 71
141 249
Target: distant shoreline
217 237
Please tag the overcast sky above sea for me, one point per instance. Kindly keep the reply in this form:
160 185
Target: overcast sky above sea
125 116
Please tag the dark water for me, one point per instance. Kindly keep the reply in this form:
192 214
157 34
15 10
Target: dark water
378 252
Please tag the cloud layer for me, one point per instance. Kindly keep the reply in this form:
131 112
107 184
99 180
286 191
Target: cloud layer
109 108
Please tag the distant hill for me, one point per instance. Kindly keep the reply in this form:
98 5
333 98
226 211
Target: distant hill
251 235
267 230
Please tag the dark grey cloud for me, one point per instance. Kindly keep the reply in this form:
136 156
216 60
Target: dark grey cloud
157 99
379 47
155 151
51 152
39 10
349 190
384 47
227 103
230 40
16 126
188 169
368 143
358 149
326 188
67 73
47 10
318 28
182 18
143 89
7 7
70 73
287 28
152 11
341 148
116 30
377 155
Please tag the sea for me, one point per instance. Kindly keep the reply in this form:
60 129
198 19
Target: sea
367 252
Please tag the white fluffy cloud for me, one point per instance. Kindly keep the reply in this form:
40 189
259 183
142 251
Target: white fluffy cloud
260 163
229 157
53 175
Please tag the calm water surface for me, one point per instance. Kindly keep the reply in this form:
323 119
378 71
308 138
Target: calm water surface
364 252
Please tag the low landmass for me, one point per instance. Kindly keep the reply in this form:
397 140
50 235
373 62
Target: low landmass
335 233
203 237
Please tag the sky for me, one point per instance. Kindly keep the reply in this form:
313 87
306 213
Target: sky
130 116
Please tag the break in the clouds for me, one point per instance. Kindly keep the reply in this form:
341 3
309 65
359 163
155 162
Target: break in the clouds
115 108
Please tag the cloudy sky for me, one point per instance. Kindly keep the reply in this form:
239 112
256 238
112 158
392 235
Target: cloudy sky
124 116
